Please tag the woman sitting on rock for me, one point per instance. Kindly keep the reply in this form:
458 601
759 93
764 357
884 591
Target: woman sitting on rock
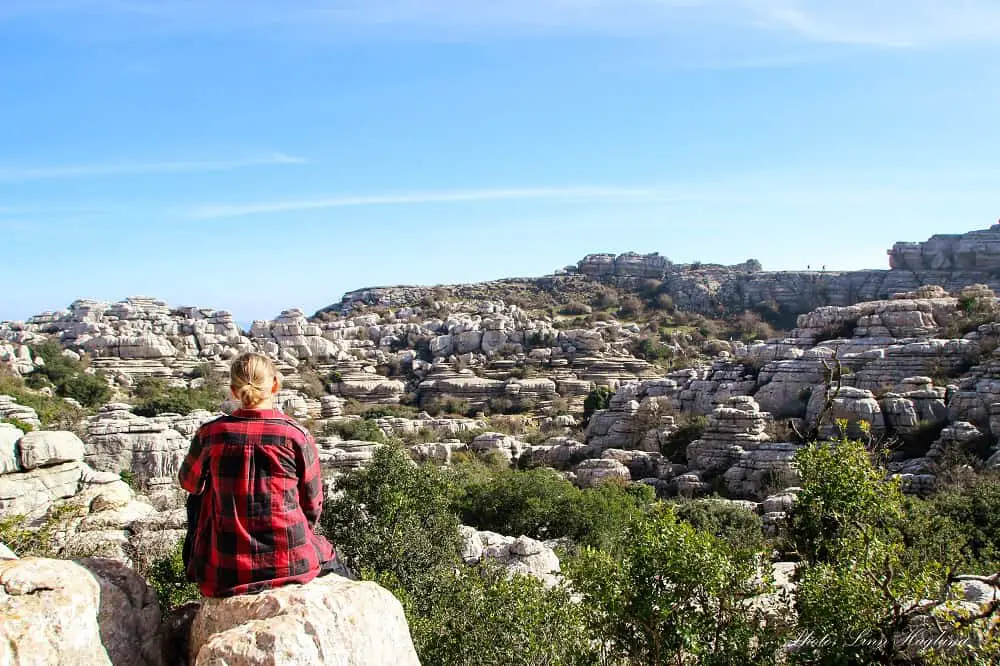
256 473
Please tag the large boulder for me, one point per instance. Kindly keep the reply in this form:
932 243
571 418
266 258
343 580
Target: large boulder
9 435
76 614
331 620
43 448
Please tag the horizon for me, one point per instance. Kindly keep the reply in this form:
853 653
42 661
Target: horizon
256 157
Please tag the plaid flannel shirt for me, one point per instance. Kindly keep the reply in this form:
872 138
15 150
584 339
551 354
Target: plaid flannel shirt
259 474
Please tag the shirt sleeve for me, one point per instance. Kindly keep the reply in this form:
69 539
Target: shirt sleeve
310 479
193 466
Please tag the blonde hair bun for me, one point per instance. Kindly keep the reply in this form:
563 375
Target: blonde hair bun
251 377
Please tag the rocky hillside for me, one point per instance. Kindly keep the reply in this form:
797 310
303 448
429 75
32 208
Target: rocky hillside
438 367
611 369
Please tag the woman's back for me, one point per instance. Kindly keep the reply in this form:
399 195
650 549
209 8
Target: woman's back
259 477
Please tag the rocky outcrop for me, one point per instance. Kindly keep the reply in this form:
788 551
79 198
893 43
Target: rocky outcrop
331 620
88 613
952 261
10 410
732 429
148 448
522 555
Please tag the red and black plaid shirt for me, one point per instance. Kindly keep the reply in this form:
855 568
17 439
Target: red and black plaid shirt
262 491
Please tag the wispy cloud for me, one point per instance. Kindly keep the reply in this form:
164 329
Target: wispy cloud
885 23
557 194
26 173
836 188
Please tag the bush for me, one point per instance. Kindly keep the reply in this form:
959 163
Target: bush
575 308
543 505
357 429
393 522
52 412
842 489
168 579
389 411
689 428
19 424
68 377
154 397
858 586
38 541
677 595
448 407
741 528
597 400
484 617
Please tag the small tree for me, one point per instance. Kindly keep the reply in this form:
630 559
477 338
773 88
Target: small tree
862 590
393 522
596 400
678 596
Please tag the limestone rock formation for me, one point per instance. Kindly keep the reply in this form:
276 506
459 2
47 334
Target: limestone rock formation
521 555
148 448
732 429
9 410
330 620
86 614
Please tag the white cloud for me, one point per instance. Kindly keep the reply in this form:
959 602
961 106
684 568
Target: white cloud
26 173
769 188
558 194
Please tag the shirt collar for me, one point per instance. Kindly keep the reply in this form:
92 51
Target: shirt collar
258 413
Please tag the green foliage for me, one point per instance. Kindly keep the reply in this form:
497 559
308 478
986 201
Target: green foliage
128 477
38 541
393 521
448 407
484 617
541 504
575 308
389 411
25 542
689 428
876 562
969 514
52 412
68 377
740 527
596 400
677 595
358 429
154 396
168 579
842 491
19 424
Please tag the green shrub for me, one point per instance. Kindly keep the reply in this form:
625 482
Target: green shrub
52 412
689 428
38 541
389 411
740 527
597 400
358 429
393 522
541 504
576 308
168 579
484 617
69 377
154 397
19 424
448 407
676 595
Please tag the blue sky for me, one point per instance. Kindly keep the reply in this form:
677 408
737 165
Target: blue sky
256 156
